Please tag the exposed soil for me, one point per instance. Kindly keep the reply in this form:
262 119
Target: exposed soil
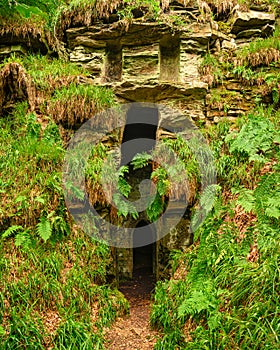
133 332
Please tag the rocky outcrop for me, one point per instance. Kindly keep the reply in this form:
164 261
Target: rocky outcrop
7 51
252 24
156 62
251 20
21 43
145 61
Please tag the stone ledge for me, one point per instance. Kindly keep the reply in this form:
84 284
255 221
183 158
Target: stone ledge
155 91
251 20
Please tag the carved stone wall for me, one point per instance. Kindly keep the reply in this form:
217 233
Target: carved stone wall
152 62
159 62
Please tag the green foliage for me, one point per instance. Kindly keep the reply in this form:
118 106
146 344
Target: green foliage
99 172
141 160
40 11
152 8
123 185
63 282
211 69
267 197
44 229
74 335
74 104
156 208
11 231
228 297
240 164
25 332
101 96
258 44
124 207
255 139
47 73
30 160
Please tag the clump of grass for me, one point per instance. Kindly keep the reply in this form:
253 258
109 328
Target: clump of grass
222 9
46 73
260 52
211 70
15 86
76 104
223 99
29 22
34 79
82 13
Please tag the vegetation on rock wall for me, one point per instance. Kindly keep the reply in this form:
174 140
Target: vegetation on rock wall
53 277
224 291
48 20
254 65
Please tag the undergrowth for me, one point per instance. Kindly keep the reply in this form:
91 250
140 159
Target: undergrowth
54 287
224 293
53 295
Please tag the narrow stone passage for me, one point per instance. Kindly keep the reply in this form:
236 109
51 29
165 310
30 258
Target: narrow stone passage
133 332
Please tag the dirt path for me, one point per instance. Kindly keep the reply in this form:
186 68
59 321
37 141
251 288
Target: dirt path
133 332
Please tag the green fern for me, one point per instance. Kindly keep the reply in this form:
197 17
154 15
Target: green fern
141 160
12 230
254 139
124 207
123 185
246 199
23 239
22 236
156 208
44 228
267 196
201 299
207 200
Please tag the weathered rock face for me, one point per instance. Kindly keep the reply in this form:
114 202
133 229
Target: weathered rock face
145 62
21 44
252 20
153 62
252 24
159 63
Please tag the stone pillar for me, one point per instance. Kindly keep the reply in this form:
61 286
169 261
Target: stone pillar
113 62
169 57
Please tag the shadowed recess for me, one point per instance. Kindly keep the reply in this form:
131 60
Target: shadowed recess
143 257
141 123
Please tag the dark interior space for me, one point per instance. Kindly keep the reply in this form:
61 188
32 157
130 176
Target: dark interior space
143 281
141 123
143 256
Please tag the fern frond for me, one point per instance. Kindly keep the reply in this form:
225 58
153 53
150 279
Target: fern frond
44 229
141 160
11 230
246 199
22 239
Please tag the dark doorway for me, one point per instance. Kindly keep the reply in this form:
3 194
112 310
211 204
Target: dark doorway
141 123
144 264
143 256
